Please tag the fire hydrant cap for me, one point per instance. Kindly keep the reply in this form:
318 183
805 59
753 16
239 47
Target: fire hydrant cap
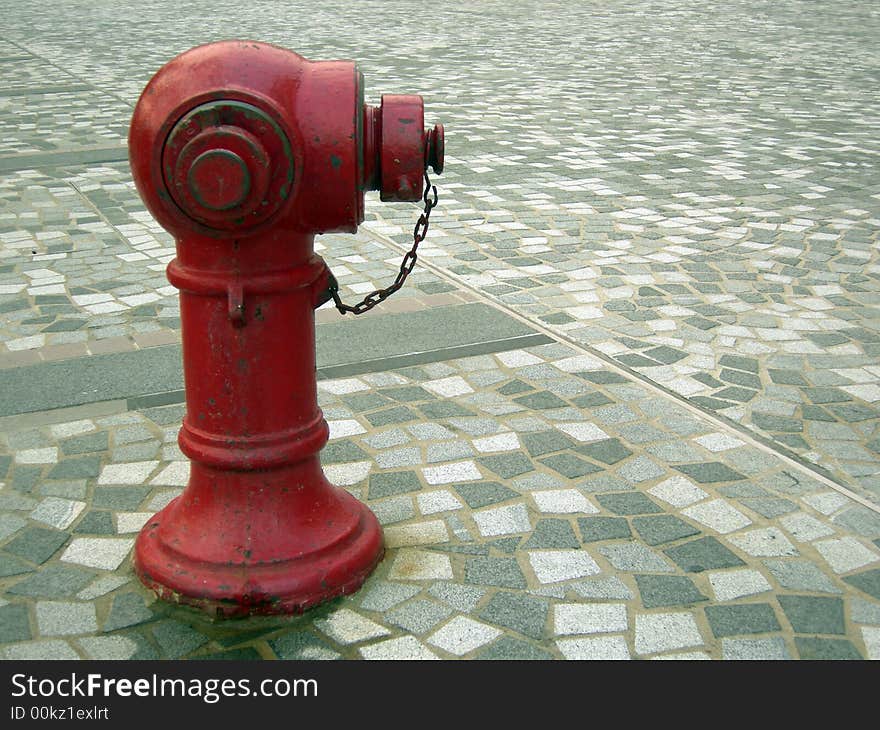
219 179
228 165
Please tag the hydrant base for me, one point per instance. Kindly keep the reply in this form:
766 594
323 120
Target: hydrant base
228 589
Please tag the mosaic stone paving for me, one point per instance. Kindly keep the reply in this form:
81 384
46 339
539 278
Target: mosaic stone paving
689 195
696 188
534 505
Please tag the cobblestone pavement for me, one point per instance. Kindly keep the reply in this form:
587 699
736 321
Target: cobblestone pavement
685 199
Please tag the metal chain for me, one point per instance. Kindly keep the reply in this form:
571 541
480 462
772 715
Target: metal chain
406 266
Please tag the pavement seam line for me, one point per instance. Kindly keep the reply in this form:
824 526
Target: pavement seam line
753 440
32 54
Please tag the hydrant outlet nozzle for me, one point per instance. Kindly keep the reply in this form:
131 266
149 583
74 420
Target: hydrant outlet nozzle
435 148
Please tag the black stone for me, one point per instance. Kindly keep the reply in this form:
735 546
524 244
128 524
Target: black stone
594 529
668 590
706 553
522 613
747 618
628 503
867 582
385 484
552 534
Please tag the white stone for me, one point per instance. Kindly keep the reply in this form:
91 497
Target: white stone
57 512
804 527
47 455
72 428
869 393
583 431
416 533
348 427
764 542
578 363
102 586
343 386
54 650
348 627
517 358
448 387
345 475
106 553
412 564
666 631
106 307
871 636
729 585
63 618
552 566
599 648
827 502
718 441
135 472
176 474
563 501
718 515
845 554
440 500
405 648
498 442
26 343
460 471
589 618
678 491
506 520
462 634
131 521
684 656
109 647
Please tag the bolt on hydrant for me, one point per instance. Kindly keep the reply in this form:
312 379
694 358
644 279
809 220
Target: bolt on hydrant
244 151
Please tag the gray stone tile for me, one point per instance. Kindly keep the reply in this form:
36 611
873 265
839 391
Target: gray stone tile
551 533
662 528
867 581
507 465
460 597
418 616
176 639
36 544
709 472
628 503
746 618
705 553
801 575
771 648
509 649
487 571
14 623
386 484
54 581
659 591
570 466
814 614
633 557
594 529
524 614
128 609
825 649
302 645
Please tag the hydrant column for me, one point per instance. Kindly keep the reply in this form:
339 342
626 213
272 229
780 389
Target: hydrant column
244 151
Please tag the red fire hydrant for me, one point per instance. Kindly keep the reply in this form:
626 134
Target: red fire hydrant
244 151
